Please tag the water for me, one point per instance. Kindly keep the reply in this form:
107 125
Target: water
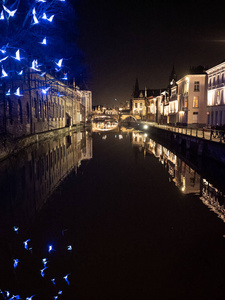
142 222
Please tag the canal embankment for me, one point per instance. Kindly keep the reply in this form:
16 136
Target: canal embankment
10 145
200 142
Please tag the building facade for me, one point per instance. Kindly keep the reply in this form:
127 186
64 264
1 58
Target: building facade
216 95
35 104
192 100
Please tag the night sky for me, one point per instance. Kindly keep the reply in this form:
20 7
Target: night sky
125 40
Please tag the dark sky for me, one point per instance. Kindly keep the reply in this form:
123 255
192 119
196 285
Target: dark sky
125 40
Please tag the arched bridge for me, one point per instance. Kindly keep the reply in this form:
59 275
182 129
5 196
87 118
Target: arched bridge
129 118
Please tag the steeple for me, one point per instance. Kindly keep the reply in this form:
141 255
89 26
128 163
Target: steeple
172 77
136 89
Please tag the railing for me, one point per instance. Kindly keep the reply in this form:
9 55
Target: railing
204 133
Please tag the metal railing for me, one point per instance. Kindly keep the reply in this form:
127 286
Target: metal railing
203 133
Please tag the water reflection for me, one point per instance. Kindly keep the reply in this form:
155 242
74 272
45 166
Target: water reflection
104 124
99 221
26 181
181 174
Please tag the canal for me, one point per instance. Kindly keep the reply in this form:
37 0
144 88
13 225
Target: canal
116 215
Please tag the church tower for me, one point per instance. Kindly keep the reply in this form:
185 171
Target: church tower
172 78
136 89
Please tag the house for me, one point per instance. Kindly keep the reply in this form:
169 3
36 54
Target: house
216 95
192 98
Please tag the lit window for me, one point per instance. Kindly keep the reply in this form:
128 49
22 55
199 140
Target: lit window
195 102
185 102
196 86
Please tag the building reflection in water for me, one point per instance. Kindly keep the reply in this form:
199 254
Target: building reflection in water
29 179
183 176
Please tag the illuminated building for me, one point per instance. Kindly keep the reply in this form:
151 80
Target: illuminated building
142 102
192 99
216 96
44 104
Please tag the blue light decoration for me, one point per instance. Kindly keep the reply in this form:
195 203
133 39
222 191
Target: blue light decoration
60 95
15 228
4 74
17 93
53 280
30 298
2 17
69 248
3 59
3 49
59 63
10 12
26 244
50 19
34 17
44 41
35 65
44 261
65 77
66 279
15 263
17 57
50 249
42 271
44 91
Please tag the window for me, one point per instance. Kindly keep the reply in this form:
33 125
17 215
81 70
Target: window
140 105
185 102
195 102
136 105
195 117
222 80
218 79
196 86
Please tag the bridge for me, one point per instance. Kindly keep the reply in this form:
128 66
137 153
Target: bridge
129 118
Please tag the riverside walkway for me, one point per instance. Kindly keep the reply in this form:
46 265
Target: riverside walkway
203 133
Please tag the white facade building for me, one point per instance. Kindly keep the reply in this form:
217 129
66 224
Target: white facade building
216 95
192 100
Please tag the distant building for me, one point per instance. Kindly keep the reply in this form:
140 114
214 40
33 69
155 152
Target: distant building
141 101
216 95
